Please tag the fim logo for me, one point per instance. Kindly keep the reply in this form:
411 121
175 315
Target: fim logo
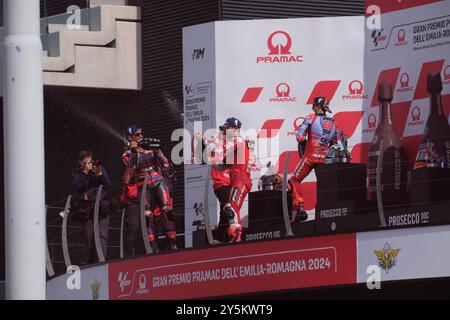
95 288
142 285
283 94
355 91
198 54
279 44
387 257
123 281
189 90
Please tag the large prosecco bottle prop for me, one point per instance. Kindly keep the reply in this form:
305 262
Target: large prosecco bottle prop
434 149
386 143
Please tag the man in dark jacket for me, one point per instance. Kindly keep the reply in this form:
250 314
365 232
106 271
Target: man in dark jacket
86 179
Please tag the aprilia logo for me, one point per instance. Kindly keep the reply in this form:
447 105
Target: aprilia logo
283 94
198 54
355 89
279 44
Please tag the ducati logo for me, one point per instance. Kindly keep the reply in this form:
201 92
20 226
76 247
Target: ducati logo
355 91
283 94
404 83
279 44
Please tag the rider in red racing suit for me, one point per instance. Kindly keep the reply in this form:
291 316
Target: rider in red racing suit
316 134
236 155
147 159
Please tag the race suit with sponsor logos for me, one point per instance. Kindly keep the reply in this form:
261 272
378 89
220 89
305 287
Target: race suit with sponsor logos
319 132
151 163
233 156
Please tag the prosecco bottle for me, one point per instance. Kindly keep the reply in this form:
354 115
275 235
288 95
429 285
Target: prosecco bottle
434 148
386 144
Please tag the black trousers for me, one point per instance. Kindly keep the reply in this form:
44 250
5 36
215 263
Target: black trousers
103 226
223 195
134 244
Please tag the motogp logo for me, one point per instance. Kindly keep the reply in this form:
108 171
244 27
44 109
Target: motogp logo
283 94
355 89
279 44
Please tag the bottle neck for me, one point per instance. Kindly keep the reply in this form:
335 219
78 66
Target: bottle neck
436 104
385 113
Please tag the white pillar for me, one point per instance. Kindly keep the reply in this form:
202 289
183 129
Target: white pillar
24 151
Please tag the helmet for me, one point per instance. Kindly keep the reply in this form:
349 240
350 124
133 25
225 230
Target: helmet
231 123
133 129
323 103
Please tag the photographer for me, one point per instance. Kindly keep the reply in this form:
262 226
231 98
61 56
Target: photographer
144 158
86 179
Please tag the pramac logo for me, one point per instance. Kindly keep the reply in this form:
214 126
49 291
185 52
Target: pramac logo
401 38
372 121
297 123
355 91
416 117
447 75
283 94
279 44
404 83
276 47
371 124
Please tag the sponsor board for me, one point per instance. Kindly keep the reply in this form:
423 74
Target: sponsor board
93 285
405 254
237 269
414 41
268 77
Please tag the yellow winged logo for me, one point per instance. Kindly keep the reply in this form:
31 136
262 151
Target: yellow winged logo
387 257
